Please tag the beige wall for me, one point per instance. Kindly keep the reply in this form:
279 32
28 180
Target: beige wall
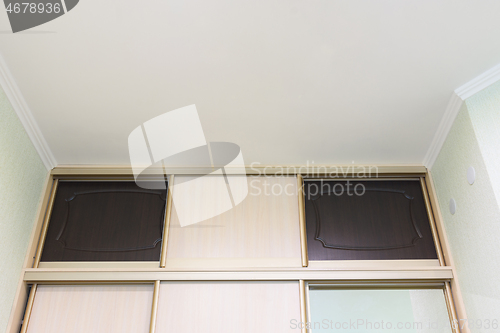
474 230
22 175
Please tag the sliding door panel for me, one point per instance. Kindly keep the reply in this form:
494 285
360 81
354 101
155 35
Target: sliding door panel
227 307
105 221
367 220
91 308
382 310
261 231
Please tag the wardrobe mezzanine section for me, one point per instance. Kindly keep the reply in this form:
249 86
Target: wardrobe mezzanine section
264 250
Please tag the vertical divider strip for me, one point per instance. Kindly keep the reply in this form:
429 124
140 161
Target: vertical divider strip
438 218
455 323
435 235
29 306
46 221
154 309
303 306
302 221
166 226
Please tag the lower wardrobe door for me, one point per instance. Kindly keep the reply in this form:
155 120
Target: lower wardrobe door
228 307
91 308
378 310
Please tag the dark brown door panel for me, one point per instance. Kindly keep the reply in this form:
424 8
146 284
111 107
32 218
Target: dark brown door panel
367 220
105 221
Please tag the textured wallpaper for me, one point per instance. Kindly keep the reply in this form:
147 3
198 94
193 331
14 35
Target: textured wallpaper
474 230
22 175
484 112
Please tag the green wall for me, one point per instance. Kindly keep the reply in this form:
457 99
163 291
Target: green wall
474 230
22 175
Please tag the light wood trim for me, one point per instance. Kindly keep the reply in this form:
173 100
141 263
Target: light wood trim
303 305
40 218
450 305
29 307
438 219
154 309
435 235
43 234
17 311
455 288
361 179
46 275
302 221
373 264
166 226
16 314
99 264
100 179
215 264
377 285
243 269
255 169
308 303
95 170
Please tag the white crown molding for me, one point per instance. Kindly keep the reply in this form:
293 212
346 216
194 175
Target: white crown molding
442 132
25 116
479 83
459 96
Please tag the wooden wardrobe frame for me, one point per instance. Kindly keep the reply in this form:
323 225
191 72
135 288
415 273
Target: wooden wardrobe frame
361 274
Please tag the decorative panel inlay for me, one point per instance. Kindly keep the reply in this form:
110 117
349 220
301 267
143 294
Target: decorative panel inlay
367 220
381 220
110 221
79 219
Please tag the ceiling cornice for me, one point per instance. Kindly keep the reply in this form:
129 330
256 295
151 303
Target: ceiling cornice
458 97
25 116
479 83
444 128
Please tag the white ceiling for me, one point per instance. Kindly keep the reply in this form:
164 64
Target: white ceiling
289 81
